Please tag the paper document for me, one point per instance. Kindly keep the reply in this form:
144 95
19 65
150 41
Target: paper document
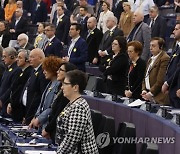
31 145
39 152
137 102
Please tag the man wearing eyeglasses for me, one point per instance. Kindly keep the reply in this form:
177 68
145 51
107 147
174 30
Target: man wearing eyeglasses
52 46
23 42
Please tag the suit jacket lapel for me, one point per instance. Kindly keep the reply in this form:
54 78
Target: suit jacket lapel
137 30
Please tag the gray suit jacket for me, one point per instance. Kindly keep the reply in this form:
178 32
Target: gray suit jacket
143 35
47 98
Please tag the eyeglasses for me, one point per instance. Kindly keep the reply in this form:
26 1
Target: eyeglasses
66 83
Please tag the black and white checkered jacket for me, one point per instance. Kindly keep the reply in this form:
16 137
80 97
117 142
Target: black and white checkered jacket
74 129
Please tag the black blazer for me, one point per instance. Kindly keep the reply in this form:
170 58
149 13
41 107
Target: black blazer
57 107
54 48
106 43
118 68
9 77
159 27
21 27
83 24
39 15
93 41
62 29
1 13
35 88
5 40
135 78
16 90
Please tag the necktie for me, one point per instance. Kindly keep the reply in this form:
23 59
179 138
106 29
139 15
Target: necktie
45 45
152 23
107 35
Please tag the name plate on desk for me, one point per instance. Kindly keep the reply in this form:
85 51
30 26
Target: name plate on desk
32 145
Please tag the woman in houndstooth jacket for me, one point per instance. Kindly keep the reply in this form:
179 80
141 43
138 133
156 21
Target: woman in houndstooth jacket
74 126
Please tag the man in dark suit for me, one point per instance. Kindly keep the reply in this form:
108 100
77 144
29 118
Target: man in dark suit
172 69
23 42
15 108
35 86
105 47
53 46
39 13
62 23
82 20
9 77
93 39
19 24
157 23
19 4
77 51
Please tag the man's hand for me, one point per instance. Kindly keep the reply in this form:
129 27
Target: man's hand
9 109
45 134
12 31
178 93
128 93
165 88
95 60
65 59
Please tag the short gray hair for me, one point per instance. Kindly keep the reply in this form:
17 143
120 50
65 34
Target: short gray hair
10 51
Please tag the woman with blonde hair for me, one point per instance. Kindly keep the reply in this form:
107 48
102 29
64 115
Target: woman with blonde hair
126 20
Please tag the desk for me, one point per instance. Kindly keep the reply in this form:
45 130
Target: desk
15 139
147 124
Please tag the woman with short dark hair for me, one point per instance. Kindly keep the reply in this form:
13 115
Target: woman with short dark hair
116 68
136 70
74 125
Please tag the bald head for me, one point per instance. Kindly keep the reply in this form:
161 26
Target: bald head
36 57
91 23
138 16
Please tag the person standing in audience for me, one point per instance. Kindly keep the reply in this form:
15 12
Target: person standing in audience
52 46
155 73
74 132
82 20
144 6
104 17
116 68
156 23
9 9
59 103
126 20
75 13
23 42
18 25
34 87
4 34
50 66
41 39
78 48
178 81
15 108
142 33
62 23
2 14
136 70
10 75
2 66
105 47
39 12
93 39
168 86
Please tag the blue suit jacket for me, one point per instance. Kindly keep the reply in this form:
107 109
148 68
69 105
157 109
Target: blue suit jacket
47 98
54 48
79 54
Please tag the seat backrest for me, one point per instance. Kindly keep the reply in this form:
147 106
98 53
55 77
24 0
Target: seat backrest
125 131
149 148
